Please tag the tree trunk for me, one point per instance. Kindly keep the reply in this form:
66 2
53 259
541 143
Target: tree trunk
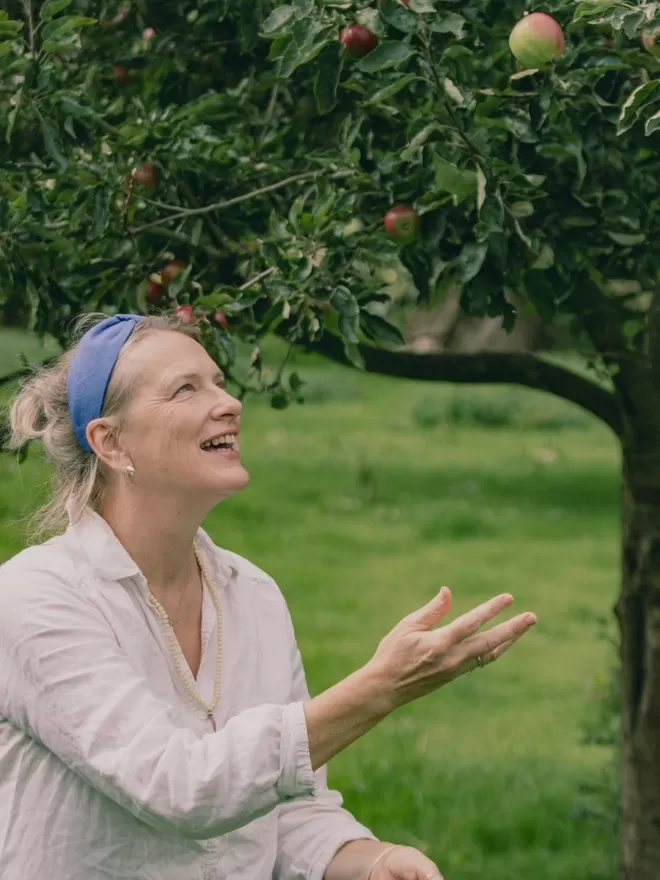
638 612
448 328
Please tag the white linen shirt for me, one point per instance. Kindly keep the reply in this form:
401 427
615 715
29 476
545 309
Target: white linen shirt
109 770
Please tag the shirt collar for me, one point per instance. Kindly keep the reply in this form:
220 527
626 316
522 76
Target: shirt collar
109 558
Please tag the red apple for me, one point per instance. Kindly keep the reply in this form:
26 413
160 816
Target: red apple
154 291
650 42
536 40
148 33
402 223
184 313
146 175
120 74
221 319
358 40
171 271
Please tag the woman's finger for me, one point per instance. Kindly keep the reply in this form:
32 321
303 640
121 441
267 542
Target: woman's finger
468 624
482 653
484 643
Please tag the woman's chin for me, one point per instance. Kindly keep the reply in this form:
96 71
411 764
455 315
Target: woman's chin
232 479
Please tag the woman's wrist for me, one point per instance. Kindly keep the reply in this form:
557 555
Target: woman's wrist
356 859
380 858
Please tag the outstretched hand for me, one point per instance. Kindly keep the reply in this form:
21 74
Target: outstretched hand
414 659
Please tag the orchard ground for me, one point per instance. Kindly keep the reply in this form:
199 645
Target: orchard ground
363 502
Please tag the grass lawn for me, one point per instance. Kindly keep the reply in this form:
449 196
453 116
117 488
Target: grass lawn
366 500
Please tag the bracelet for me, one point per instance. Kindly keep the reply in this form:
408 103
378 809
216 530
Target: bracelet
381 856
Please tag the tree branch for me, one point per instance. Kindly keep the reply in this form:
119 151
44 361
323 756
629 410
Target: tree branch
229 203
527 370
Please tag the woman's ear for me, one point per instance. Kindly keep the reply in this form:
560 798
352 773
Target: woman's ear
104 438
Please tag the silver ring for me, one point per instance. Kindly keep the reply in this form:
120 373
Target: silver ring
480 664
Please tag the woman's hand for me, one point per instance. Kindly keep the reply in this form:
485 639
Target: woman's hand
413 659
405 863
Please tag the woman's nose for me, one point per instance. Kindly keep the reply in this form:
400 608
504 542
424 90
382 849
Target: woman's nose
227 404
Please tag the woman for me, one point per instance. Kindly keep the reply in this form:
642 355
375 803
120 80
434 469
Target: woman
155 723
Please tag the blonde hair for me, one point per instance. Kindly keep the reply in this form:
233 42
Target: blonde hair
40 411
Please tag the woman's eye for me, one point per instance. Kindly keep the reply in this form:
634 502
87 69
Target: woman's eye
183 387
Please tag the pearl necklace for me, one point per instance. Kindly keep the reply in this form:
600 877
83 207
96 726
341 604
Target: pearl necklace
175 649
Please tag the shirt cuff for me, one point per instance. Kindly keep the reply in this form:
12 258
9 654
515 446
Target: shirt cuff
296 774
318 869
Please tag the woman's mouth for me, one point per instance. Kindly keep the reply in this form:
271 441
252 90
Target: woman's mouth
225 444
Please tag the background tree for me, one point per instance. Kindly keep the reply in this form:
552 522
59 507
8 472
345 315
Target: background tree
236 161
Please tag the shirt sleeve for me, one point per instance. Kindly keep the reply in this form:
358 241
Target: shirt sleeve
312 830
65 682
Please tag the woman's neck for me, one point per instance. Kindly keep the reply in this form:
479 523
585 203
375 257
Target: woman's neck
158 536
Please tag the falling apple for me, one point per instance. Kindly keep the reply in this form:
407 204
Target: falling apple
536 40
171 271
402 223
358 40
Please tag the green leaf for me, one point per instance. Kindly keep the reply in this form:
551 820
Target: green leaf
635 104
277 20
652 124
391 53
52 8
53 143
348 310
101 210
399 16
379 330
450 178
421 6
348 132
470 261
592 8
55 30
450 23
626 239
392 88
418 263
10 28
13 114
326 80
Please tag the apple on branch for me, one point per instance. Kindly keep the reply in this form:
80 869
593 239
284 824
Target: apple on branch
402 223
171 271
154 291
537 40
358 40
120 74
146 175
650 42
184 313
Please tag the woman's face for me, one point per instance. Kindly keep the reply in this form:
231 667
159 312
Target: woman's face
178 406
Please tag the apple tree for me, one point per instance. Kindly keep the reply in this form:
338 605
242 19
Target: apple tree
256 164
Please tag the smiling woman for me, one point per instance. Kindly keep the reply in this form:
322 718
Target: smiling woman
154 714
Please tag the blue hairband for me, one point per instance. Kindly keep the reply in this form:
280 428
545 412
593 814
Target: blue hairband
91 369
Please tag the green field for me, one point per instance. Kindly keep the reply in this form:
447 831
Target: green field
362 503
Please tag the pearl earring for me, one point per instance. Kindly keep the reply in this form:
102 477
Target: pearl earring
131 470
